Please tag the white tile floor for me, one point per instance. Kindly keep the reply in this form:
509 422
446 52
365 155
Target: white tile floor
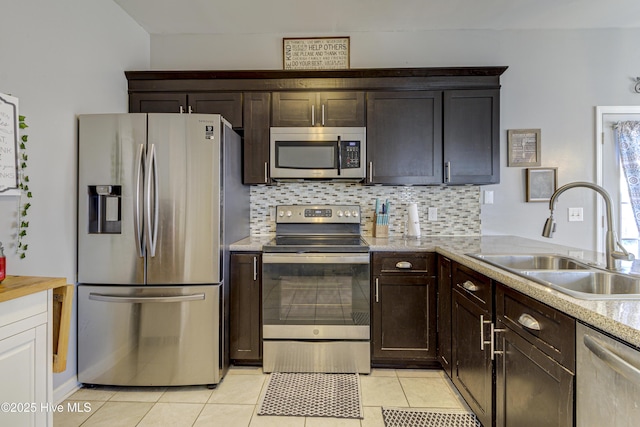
235 402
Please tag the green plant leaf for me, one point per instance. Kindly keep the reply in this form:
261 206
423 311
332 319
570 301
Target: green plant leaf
23 255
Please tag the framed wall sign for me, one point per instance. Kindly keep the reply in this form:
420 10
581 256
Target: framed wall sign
541 184
524 147
9 134
317 53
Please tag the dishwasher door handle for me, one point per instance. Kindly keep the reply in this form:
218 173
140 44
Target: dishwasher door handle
615 362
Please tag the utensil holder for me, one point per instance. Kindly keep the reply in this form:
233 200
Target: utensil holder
380 225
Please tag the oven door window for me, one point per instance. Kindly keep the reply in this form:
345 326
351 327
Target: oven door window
307 154
332 293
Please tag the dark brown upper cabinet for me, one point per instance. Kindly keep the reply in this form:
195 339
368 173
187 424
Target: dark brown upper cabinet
257 117
331 109
425 126
228 104
404 137
471 138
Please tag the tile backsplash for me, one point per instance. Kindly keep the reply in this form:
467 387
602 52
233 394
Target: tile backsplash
458 208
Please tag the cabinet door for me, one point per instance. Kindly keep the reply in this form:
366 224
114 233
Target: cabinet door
294 109
229 104
471 136
23 362
444 313
257 107
532 389
404 137
404 318
245 311
472 370
341 109
158 103
337 109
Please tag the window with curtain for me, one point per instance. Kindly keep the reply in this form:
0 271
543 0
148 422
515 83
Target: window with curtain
627 139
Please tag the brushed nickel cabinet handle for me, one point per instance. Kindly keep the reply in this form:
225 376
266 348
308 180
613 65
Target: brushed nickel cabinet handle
470 286
404 264
255 268
529 322
377 290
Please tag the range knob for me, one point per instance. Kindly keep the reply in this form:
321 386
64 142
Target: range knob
347 214
340 214
355 214
281 213
289 213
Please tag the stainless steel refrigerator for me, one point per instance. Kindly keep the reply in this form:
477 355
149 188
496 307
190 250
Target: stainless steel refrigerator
160 198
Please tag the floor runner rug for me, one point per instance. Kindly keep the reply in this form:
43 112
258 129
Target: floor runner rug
312 395
412 417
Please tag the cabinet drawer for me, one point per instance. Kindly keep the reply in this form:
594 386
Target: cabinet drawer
548 329
474 285
404 262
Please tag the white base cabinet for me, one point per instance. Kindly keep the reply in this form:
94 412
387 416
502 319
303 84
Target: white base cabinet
25 361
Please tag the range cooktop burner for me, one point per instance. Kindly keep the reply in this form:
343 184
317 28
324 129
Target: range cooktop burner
301 244
317 228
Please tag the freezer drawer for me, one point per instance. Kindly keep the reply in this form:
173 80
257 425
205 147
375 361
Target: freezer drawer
149 335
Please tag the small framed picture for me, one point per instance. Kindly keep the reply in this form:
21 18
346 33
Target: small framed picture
541 184
524 147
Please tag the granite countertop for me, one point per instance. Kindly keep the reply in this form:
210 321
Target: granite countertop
19 286
620 318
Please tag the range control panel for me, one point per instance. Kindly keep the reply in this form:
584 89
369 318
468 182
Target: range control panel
338 214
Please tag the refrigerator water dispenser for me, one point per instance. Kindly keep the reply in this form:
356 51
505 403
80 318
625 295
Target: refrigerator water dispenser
105 209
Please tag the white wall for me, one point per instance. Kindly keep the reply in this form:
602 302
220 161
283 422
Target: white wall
554 81
60 59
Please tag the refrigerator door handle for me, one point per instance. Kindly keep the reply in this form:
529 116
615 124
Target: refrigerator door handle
137 214
141 300
151 223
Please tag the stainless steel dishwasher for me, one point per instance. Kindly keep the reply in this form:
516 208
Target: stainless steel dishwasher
607 380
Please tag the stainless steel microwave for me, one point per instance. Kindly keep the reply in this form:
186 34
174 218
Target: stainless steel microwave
338 153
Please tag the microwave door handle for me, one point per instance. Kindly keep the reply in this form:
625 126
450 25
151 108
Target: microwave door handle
339 155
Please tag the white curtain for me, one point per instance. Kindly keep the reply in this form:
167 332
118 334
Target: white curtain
627 137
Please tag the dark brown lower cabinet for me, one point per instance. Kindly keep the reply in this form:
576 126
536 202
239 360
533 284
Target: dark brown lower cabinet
473 366
535 363
403 293
444 314
532 389
245 313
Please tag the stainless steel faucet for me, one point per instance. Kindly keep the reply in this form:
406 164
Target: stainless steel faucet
610 240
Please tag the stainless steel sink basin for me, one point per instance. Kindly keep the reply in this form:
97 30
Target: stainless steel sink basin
588 284
532 261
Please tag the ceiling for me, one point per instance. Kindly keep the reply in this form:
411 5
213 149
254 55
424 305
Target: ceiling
304 17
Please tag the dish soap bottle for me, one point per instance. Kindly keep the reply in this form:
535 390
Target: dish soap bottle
3 264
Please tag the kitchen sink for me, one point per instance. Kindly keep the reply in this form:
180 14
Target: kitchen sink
532 261
567 275
588 284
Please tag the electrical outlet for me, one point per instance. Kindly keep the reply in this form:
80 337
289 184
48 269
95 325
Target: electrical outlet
575 214
432 214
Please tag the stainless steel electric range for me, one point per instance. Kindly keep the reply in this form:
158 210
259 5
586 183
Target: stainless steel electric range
315 295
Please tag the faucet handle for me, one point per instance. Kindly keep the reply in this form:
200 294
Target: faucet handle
625 256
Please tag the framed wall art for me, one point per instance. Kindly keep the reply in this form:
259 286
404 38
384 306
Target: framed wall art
541 184
316 53
524 147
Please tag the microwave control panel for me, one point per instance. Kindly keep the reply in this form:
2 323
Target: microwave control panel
350 153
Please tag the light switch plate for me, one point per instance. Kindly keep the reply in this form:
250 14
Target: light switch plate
488 197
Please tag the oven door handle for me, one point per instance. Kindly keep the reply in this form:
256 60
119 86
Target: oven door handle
315 258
